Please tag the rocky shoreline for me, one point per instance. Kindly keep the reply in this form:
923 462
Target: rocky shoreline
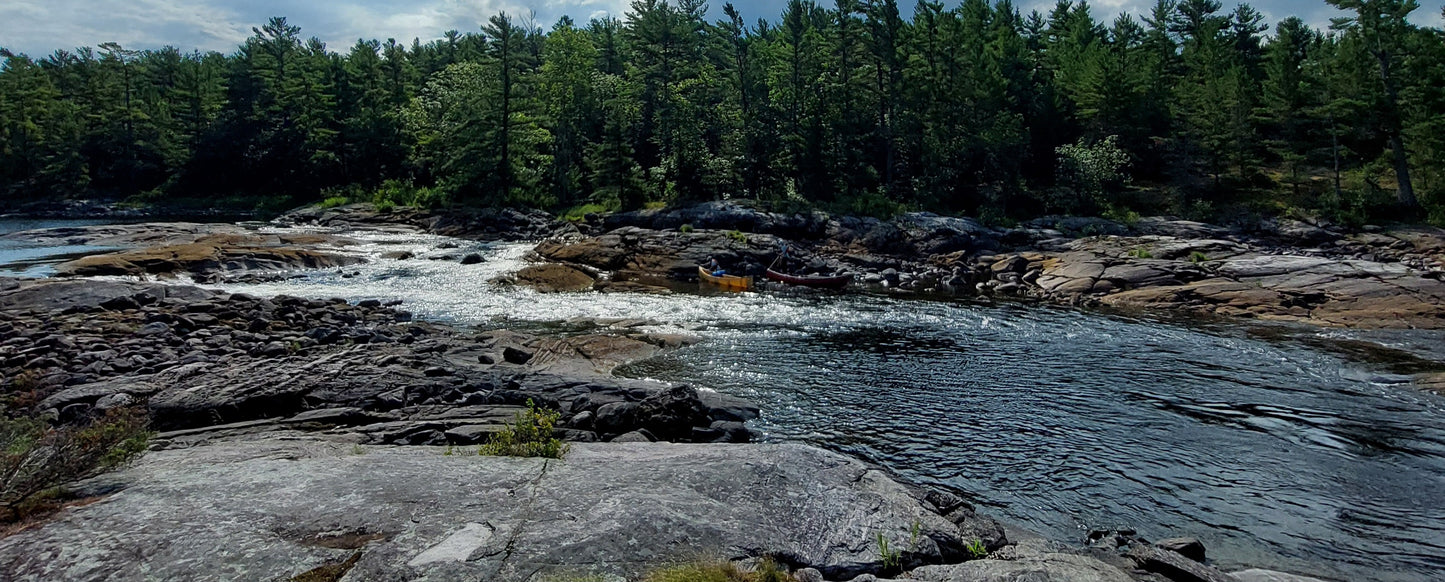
353 410
1283 270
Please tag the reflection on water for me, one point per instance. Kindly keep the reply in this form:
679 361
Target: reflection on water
1273 452
22 258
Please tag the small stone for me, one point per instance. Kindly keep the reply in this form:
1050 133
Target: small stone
153 328
369 304
274 349
117 400
472 259
436 371
808 575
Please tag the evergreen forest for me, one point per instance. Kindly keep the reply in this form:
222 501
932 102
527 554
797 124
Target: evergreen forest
1193 109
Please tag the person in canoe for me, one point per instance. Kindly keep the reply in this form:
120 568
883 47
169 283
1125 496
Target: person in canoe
715 268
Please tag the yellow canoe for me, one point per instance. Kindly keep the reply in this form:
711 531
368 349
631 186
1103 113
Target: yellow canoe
729 282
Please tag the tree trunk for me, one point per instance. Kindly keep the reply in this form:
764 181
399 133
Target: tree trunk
1405 191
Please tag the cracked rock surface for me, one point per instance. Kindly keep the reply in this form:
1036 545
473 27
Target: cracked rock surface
271 508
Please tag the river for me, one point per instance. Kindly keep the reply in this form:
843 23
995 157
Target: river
1273 451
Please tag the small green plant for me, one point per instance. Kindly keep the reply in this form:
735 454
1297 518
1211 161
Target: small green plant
976 549
891 558
1197 257
1141 253
686 228
530 436
738 236
448 452
334 201
357 450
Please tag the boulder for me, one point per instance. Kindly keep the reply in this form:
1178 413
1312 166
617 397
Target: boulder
1190 548
554 278
1174 566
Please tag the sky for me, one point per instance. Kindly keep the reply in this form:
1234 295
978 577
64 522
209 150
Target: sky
39 27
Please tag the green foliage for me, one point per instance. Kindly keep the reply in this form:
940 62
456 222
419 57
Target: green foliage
767 570
334 201
686 228
1092 171
1197 257
579 213
972 108
738 236
976 550
1140 253
529 436
889 557
36 457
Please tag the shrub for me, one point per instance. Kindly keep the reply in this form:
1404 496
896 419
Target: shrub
36 457
1088 173
1197 257
738 236
530 436
685 228
334 201
1141 253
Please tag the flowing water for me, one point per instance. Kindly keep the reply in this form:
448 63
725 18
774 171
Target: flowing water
1274 452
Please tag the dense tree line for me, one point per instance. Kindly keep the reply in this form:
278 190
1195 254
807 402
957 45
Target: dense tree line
1189 109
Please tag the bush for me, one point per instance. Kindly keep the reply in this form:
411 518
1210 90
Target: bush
738 236
393 193
530 436
36 457
334 201
686 228
1087 173
1197 257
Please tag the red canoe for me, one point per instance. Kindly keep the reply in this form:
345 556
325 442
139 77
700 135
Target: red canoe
838 282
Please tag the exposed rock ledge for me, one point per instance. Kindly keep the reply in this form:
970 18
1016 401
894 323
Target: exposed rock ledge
200 250
277 507
209 363
272 509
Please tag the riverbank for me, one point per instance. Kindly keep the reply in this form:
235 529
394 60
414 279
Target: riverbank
222 408
1284 270
344 407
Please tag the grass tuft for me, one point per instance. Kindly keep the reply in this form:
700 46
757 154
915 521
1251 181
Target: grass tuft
720 571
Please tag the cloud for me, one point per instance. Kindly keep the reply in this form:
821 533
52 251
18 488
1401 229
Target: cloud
38 27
